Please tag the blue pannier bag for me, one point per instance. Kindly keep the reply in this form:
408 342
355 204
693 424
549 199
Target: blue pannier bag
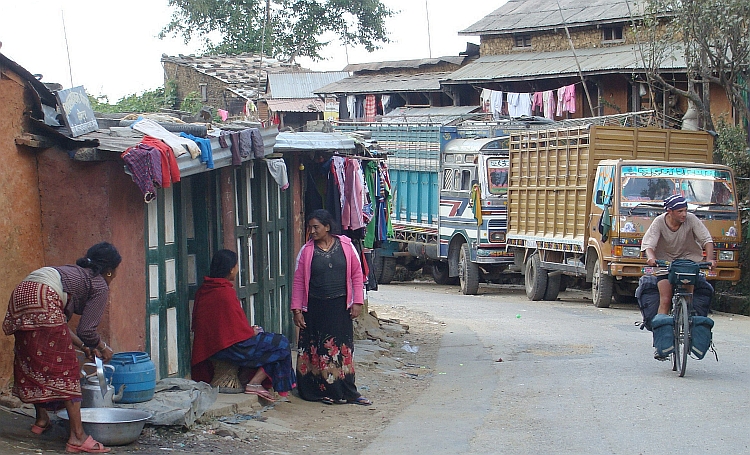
702 295
648 299
662 326
700 336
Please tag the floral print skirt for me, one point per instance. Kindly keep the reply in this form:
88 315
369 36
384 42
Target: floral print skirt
325 359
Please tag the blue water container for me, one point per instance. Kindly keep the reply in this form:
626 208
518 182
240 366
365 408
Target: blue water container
137 372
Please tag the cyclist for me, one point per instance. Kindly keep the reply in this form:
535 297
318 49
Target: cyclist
675 234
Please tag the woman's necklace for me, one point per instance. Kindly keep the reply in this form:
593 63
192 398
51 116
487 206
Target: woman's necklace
328 246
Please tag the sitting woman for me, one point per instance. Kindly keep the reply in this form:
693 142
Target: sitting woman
222 332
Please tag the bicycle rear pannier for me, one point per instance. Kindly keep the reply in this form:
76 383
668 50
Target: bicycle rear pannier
648 299
701 337
663 328
683 271
702 295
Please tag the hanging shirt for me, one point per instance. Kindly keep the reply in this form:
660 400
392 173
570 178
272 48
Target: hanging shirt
537 102
519 104
496 104
548 101
570 98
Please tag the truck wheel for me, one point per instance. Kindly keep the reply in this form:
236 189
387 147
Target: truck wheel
385 268
468 272
440 273
535 278
553 286
601 287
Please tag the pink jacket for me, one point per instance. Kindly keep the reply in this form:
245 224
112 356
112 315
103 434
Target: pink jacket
301 283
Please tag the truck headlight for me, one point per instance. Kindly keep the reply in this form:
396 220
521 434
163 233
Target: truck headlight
726 255
627 251
497 237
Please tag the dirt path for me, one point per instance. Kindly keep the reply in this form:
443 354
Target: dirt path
386 373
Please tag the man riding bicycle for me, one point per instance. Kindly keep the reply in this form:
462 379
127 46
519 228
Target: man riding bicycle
675 234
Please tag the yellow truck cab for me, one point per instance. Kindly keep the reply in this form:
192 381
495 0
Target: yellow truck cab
580 199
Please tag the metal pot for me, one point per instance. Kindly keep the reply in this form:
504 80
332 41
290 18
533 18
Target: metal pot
112 426
91 390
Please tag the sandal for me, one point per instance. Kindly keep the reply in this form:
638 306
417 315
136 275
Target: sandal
360 401
329 400
257 389
90 445
36 429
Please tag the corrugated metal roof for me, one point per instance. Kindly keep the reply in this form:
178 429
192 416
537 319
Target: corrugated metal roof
396 64
386 83
528 65
535 15
301 85
296 105
308 140
427 115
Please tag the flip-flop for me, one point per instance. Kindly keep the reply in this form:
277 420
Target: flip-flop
90 445
36 429
259 391
362 401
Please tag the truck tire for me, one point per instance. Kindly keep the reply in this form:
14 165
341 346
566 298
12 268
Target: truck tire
535 278
601 286
468 272
385 267
553 286
440 273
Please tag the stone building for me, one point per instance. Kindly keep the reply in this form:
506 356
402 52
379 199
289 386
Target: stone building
225 82
538 45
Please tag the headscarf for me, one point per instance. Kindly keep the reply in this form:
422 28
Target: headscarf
675 202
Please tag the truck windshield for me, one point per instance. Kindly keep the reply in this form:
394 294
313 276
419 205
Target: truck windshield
701 187
497 175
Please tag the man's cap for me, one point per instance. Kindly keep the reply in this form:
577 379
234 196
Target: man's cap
675 202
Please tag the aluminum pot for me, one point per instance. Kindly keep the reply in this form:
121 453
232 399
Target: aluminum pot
112 426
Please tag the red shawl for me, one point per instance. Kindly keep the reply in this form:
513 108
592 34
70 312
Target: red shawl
218 322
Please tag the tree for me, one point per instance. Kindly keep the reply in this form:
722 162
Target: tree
715 38
284 29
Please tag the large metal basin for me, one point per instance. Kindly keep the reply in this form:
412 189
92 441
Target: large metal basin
112 426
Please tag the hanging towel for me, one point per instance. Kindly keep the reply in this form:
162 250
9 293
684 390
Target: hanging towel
370 108
170 171
560 101
548 101
277 169
223 115
207 155
519 104
259 150
496 104
537 102
570 98
142 162
351 105
179 145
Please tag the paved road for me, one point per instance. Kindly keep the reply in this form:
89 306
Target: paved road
574 379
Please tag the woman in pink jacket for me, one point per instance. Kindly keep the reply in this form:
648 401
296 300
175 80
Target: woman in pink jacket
327 294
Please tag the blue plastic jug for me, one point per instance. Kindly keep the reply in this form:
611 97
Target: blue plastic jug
137 372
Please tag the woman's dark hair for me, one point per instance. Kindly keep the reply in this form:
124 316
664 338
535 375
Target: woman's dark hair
222 263
100 258
324 217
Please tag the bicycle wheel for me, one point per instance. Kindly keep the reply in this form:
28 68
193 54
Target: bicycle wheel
676 334
682 340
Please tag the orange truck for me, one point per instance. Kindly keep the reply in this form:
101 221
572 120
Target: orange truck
580 199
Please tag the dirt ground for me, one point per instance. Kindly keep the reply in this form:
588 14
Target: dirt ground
387 374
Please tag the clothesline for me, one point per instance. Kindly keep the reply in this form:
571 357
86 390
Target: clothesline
515 104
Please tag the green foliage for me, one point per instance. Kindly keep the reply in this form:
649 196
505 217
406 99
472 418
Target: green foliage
292 27
192 103
730 148
148 101
713 35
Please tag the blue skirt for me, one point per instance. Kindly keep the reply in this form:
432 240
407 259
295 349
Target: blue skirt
270 351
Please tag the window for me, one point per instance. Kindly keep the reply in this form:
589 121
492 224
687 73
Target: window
612 34
448 179
204 92
523 40
465 180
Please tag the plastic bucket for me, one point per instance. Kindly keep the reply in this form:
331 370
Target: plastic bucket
137 372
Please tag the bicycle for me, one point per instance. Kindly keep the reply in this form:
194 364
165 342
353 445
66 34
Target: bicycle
682 273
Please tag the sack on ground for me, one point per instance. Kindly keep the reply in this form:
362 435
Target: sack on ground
700 339
662 326
648 299
702 295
